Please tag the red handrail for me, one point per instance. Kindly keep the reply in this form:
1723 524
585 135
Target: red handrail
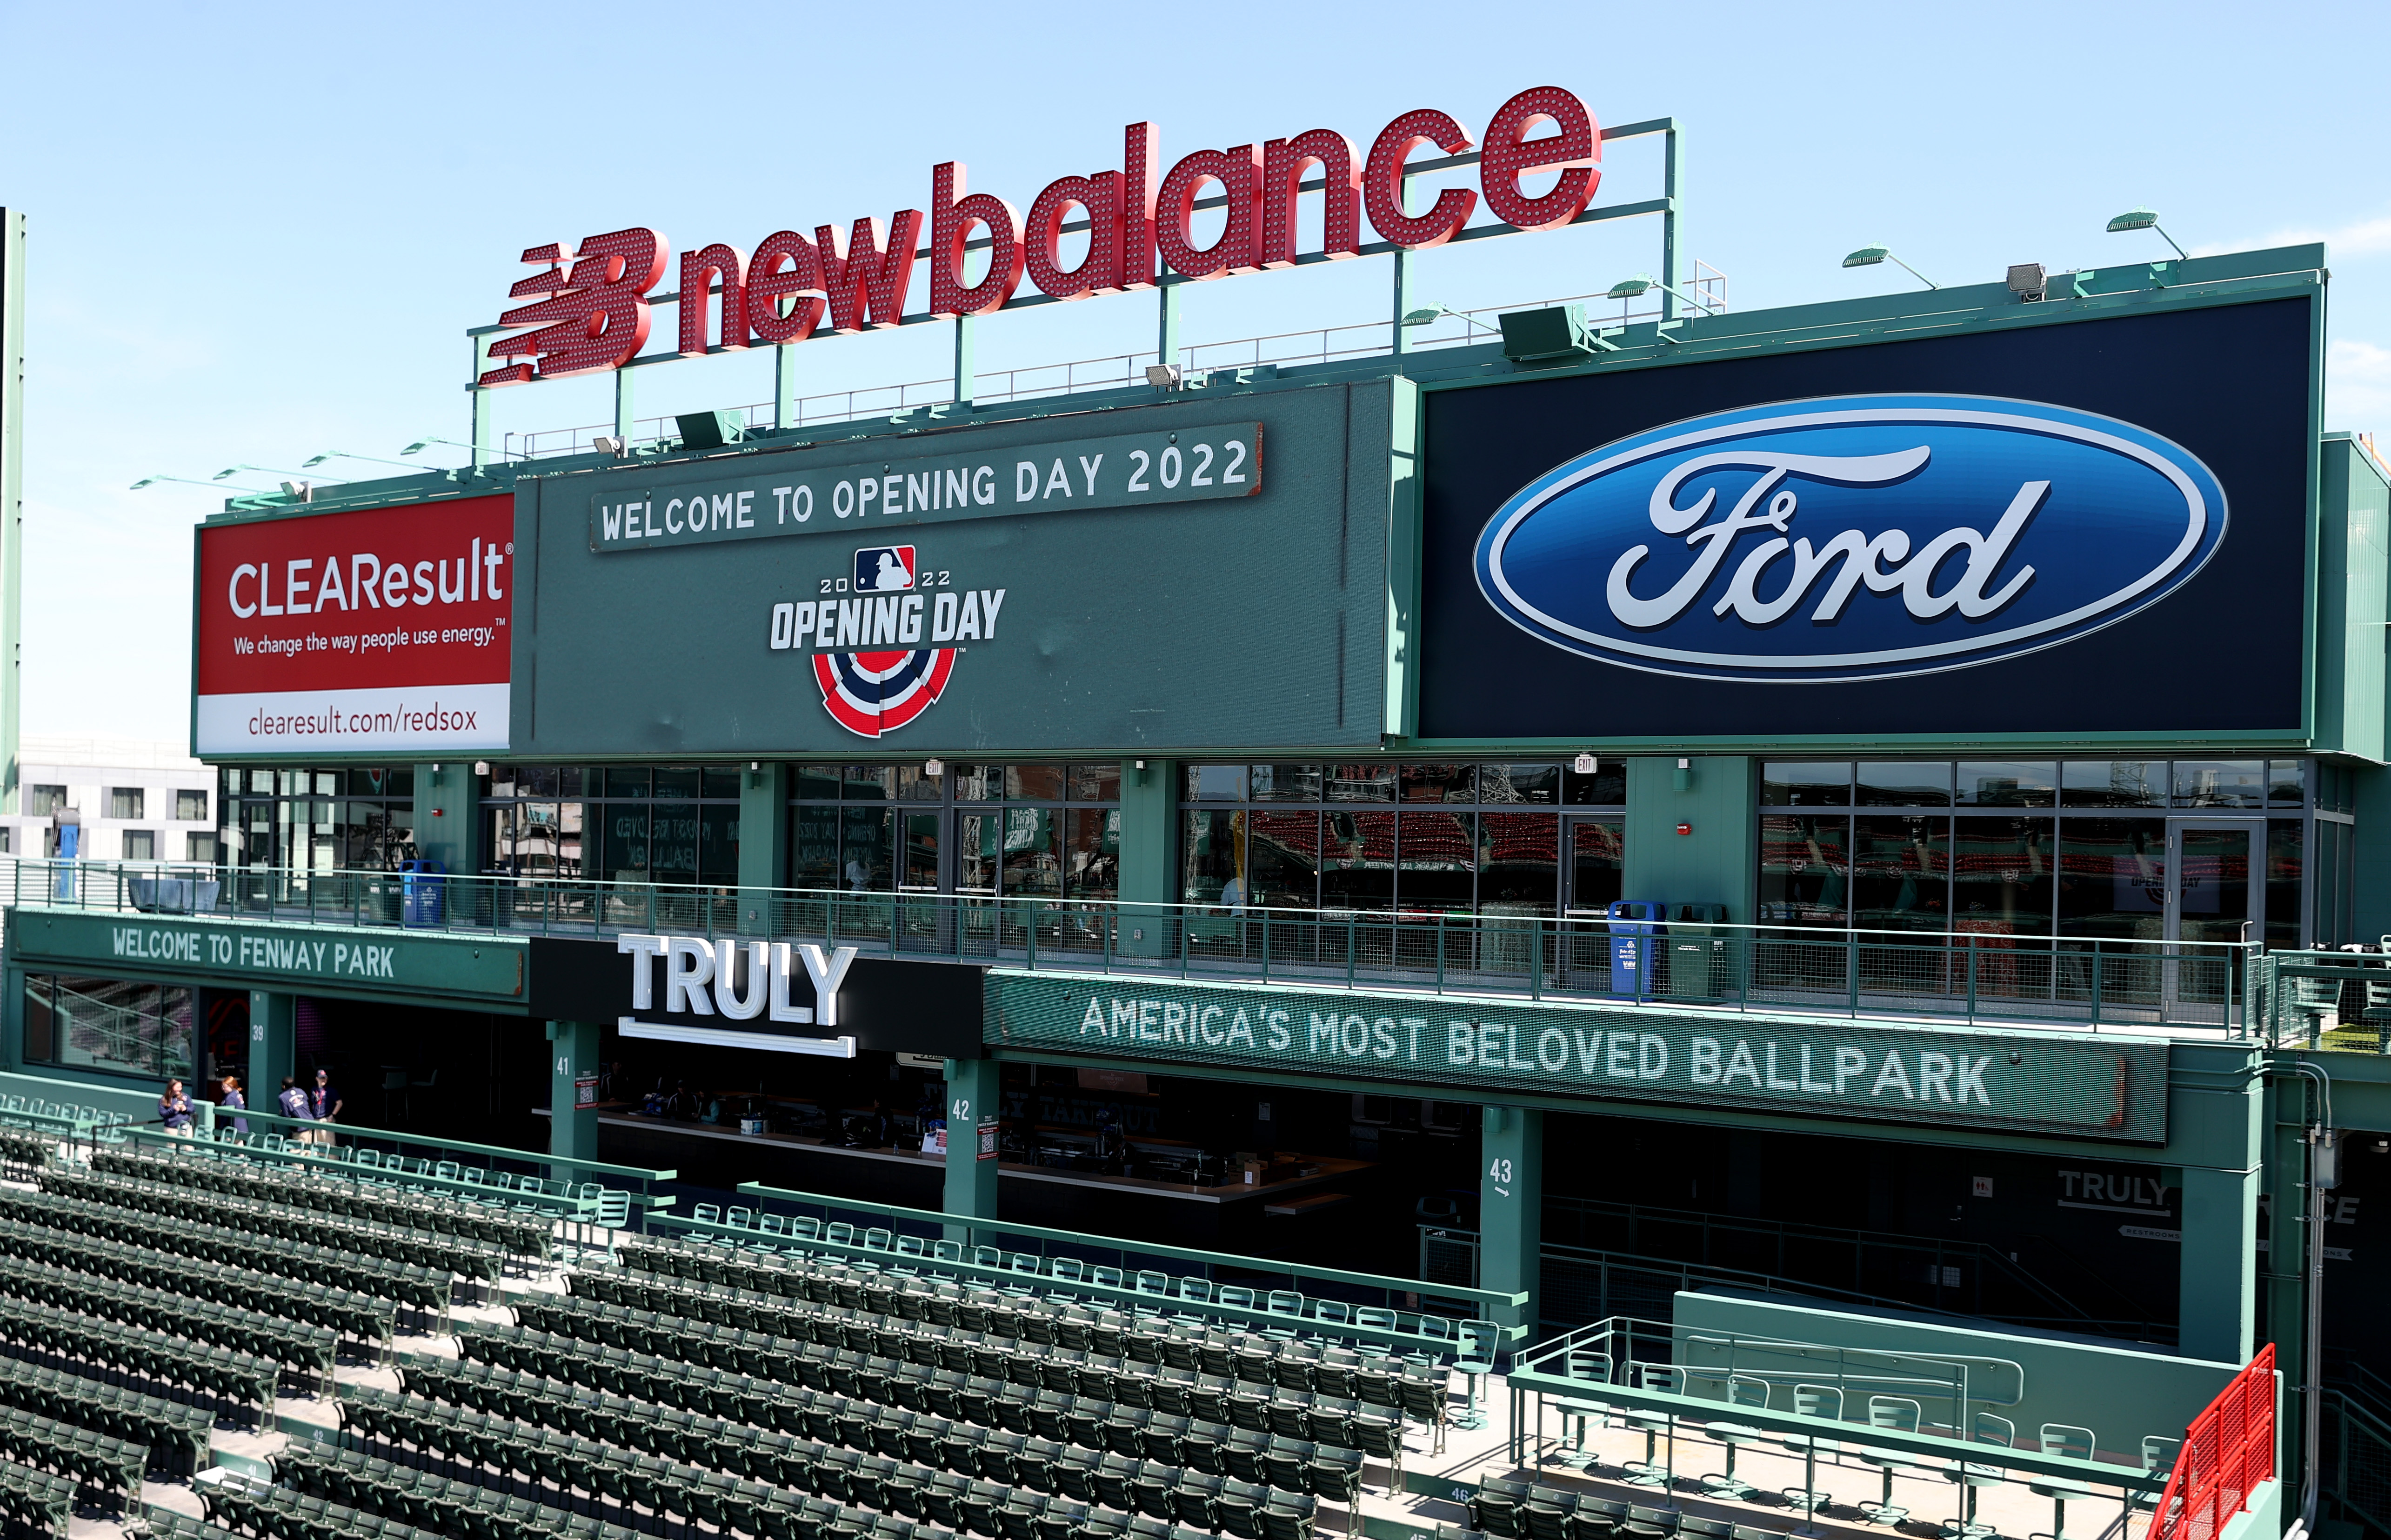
2229 1449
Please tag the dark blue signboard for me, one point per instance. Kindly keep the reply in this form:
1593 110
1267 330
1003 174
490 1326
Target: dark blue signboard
2089 527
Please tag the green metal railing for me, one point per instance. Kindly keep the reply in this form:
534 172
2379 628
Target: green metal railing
1976 976
2330 1000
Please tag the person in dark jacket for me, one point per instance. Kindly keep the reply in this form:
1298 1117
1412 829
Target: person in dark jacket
175 1108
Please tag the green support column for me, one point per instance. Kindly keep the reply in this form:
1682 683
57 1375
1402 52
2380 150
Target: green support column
2282 1269
2218 1287
12 490
973 1092
763 845
1511 1207
1149 814
1715 861
572 1050
273 1046
447 818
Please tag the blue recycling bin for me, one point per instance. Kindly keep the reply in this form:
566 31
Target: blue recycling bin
1634 922
420 887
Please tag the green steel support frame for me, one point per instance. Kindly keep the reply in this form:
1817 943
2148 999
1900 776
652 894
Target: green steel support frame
273 1045
574 1051
1511 1207
973 1092
12 494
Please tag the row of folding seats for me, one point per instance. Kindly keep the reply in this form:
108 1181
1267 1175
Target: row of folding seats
449 1255
1280 1369
330 1268
228 1326
164 1523
1044 1323
111 1466
738 1481
1518 1510
802 1427
521 1236
367 1319
35 1498
992 1267
462 1510
239 1378
22 1149
280 1513
173 1434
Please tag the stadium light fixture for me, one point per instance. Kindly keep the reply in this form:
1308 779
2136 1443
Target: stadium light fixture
1869 256
1642 283
343 454
268 470
1433 313
1164 377
2145 219
185 481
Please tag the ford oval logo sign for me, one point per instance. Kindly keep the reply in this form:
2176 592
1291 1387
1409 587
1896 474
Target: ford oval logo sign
1851 537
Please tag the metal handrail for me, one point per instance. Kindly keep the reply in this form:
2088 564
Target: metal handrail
1777 968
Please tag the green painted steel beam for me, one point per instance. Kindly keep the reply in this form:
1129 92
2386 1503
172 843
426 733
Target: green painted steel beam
12 495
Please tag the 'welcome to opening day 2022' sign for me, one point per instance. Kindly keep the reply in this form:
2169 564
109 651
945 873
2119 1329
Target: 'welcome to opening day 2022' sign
2109 1089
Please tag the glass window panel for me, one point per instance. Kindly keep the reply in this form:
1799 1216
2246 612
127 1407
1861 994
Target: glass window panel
979 783
2286 782
1439 783
1097 783
866 850
816 783
1033 866
2220 784
2008 783
1519 859
526 780
717 843
568 836
1804 867
1371 782
868 783
1287 783
1437 861
2002 874
40 1043
1284 851
1901 873
977 855
2112 783
625 849
2113 877
1607 787
672 842
914 786
1212 859
1033 782
119 1025
1597 863
501 828
813 848
502 782
626 781
921 849
1798 784
1357 864
1216 783
1092 852
1539 785
327 782
718 782
677 780
1904 783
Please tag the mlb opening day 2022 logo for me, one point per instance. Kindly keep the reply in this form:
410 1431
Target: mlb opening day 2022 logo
864 633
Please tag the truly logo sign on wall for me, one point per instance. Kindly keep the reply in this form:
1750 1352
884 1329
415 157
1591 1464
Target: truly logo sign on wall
382 631
1851 537
2071 523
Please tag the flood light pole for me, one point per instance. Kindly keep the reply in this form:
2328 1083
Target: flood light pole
1869 256
12 491
2145 219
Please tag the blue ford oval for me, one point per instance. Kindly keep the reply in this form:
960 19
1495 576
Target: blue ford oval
1851 537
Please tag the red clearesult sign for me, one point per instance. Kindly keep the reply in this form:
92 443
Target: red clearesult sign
595 314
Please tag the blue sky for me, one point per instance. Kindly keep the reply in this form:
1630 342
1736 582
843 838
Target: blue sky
259 233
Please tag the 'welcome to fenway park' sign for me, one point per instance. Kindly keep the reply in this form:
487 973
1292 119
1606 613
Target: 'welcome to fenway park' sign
2027 1082
1138 220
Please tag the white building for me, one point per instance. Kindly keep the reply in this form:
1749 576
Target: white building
135 800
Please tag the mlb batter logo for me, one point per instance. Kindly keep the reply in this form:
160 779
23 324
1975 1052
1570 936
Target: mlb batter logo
883 569
874 693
